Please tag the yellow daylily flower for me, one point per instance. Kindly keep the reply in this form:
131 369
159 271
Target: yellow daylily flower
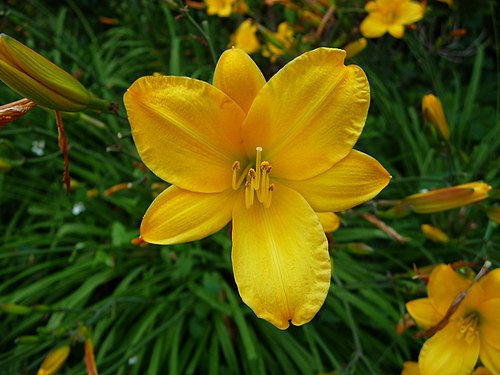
222 8
434 234
266 155
54 360
244 37
434 114
390 16
33 76
472 331
279 42
447 198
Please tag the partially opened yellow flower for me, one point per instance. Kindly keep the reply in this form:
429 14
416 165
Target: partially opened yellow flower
447 198
54 360
433 113
355 47
222 8
390 16
267 156
279 42
472 331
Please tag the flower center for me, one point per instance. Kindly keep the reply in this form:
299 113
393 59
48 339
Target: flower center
256 180
468 327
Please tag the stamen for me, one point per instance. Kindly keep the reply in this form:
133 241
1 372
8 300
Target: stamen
236 168
249 194
267 202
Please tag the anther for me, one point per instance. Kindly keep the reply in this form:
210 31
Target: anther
236 168
267 202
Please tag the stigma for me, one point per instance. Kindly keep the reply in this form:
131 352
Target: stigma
255 180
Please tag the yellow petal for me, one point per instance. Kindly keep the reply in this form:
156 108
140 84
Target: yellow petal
424 313
410 368
489 324
490 357
239 77
186 131
280 258
373 27
490 283
444 286
354 180
329 221
178 215
309 115
449 353
397 31
409 12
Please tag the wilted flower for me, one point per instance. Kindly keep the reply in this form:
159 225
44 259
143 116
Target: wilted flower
447 198
433 113
470 331
244 37
266 156
434 234
36 78
390 16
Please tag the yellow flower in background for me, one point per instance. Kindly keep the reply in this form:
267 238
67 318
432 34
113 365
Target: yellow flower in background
280 42
390 16
54 361
434 114
266 156
245 37
224 8
221 8
472 331
355 47
36 78
434 234
447 198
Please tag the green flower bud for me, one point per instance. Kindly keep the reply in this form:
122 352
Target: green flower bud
33 76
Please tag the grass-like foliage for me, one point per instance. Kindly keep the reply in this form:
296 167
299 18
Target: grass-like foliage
72 269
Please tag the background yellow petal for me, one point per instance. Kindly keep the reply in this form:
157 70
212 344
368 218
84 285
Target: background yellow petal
178 215
373 26
239 77
186 131
397 31
280 258
355 179
409 12
309 115
449 353
424 313
444 285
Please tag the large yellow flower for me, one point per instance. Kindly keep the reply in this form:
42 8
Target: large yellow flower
267 156
390 16
472 331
